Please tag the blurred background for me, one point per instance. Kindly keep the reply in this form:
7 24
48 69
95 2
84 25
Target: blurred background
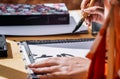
71 4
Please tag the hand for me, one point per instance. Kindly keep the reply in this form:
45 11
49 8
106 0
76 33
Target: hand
85 3
96 14
62 68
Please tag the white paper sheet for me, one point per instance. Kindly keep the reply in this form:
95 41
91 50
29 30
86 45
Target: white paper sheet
39 51
43 51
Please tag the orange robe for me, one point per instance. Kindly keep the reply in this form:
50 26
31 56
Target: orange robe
99 48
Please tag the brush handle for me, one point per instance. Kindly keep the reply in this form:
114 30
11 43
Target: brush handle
83 18
90 5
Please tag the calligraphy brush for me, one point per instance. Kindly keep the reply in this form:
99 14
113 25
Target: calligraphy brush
83 18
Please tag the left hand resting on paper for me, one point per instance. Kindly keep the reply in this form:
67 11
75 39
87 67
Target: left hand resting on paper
62 68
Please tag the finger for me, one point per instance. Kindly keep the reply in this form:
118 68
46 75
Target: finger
50 76
44 63
42 76
60 75
84 4
88 20
95 10
47 76
57 75
46 69
98 19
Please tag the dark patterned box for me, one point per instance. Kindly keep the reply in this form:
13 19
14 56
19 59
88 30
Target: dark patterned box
38 14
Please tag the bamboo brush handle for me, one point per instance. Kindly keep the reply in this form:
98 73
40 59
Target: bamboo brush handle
90 5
